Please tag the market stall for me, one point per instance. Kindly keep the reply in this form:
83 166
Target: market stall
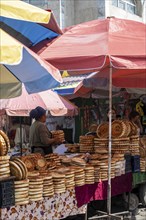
66 183
17 121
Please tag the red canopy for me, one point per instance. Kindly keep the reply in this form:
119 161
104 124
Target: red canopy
95 45
49 100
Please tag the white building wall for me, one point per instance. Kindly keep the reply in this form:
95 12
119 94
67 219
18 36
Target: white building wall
78 11
86 10
69 13
111 10
144 12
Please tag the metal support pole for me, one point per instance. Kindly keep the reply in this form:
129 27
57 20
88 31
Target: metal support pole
109 144
86 213
109 215
20 119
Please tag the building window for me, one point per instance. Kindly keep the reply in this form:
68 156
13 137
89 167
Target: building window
115 3
127 5
122 4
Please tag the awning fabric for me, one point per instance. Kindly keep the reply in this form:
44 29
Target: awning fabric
17 9
49 100
27 23
95 45
18 64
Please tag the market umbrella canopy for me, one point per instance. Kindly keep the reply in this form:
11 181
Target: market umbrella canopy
95 45
49 100
19 65
27 23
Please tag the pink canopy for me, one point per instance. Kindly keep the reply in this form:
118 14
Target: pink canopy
49 100
95 45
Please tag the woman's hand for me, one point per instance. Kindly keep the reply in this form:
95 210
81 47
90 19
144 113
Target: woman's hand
57 140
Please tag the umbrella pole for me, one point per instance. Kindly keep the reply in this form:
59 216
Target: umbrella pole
108 214
20 120
109 144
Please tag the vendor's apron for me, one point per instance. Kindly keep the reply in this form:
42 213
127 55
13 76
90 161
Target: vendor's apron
42 150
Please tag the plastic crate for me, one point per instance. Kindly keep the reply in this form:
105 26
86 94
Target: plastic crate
7 192
136 163
128 163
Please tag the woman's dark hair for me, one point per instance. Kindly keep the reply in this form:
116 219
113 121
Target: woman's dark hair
37 113
133 114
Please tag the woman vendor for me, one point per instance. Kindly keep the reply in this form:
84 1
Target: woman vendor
135 118
40 138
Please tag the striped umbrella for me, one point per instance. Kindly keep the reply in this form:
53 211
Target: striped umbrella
27 23
20 65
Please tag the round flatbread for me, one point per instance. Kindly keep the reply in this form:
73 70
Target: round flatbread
35 183
34 195
47 185
103 130
35 179
3 158
48 190
4 169
4 165
3 147
23 165
59 191
4 176
47 178
118 129
48 195
22 190
22 202
33 174
35 188
6 140
24 174
29 162
19 195
34 192
21 182
4 162
15 170
21 199
22 185
41 163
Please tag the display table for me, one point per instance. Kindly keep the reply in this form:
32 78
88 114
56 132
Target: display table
98 191
54 208
139 178
72 202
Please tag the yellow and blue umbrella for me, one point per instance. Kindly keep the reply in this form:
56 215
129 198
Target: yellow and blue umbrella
27 23
18 65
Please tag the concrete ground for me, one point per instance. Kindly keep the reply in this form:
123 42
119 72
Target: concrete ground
141 215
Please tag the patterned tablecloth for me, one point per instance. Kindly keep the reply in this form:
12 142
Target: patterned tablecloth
54 208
